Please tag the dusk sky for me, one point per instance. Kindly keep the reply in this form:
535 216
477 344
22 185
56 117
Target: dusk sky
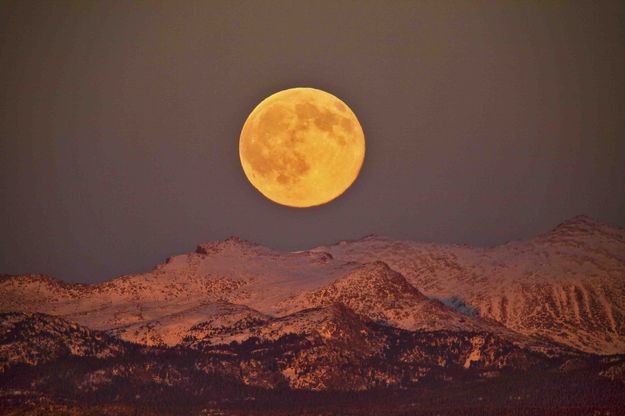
119 123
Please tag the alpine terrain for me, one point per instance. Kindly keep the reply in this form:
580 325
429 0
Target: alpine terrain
370 326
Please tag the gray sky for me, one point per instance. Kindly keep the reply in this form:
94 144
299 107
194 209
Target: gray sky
119 123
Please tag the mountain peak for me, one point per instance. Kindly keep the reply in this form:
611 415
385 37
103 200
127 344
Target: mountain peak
584 226
377 273
230 243
581 220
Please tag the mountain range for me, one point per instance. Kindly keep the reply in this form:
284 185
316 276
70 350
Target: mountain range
356 316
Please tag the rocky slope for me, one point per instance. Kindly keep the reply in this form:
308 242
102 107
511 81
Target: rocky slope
328 348
35 339
567 285
302 362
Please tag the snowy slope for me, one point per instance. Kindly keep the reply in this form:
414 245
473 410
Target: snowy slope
567 285
216 320
160 306
383 295
331 322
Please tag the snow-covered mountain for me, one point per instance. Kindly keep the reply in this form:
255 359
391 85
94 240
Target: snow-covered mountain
567 287
234 322
384 295
220 280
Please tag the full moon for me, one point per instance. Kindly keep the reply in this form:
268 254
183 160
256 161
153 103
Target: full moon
302 147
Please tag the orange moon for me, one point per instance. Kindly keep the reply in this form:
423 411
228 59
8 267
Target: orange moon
302 147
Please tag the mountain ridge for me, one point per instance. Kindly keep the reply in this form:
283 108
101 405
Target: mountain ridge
566 286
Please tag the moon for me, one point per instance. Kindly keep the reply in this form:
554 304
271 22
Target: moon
302 147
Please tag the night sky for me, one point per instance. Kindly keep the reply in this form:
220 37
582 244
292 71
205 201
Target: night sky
119 123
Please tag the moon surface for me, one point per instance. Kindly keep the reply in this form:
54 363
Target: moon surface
302 147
